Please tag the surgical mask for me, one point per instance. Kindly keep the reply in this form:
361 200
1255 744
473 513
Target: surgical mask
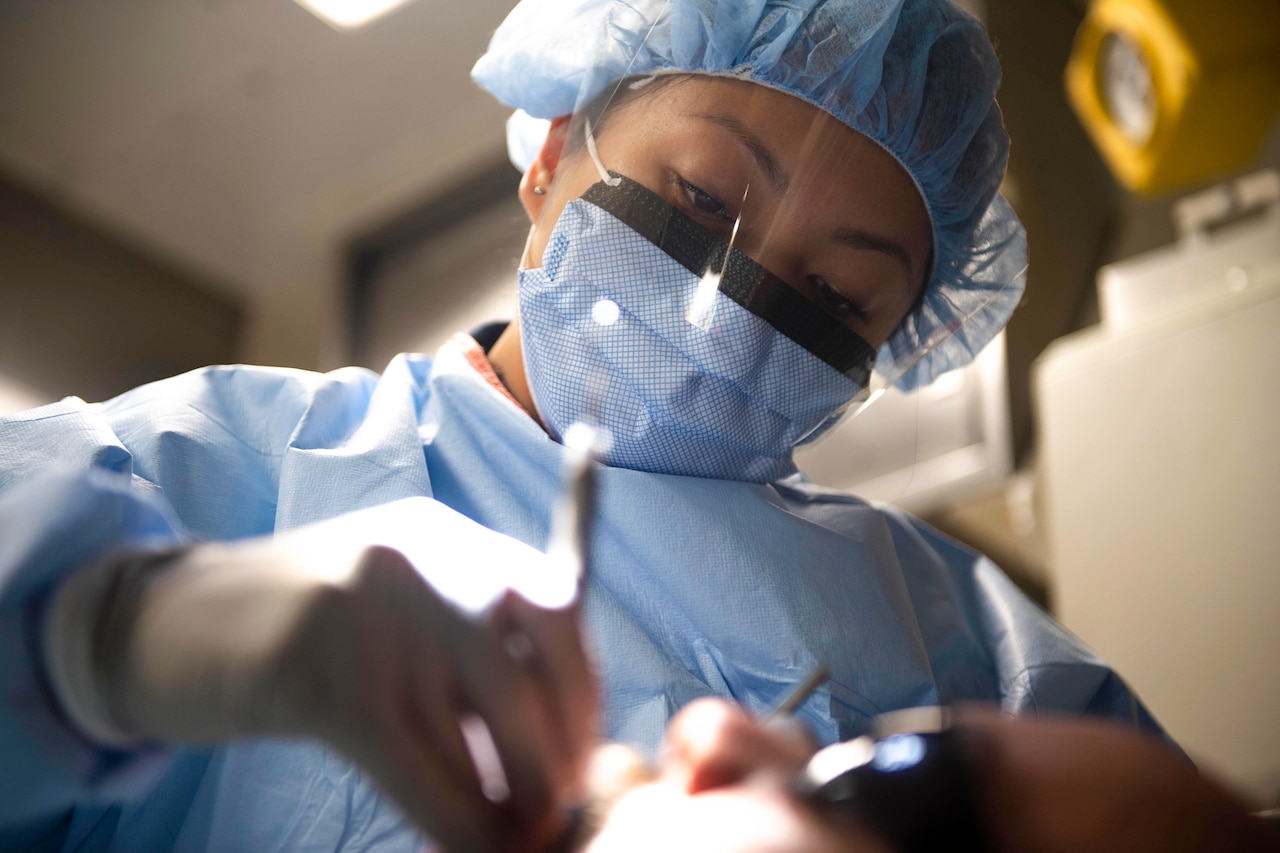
693 357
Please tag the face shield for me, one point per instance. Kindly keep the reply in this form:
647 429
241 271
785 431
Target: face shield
720 268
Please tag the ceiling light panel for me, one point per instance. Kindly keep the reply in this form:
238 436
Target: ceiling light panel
349 14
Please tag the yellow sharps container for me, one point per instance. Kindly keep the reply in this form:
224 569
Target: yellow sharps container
1176 91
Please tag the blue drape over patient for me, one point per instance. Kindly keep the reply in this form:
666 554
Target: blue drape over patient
698 587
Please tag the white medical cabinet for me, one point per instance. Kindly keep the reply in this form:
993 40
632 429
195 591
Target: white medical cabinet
1160 453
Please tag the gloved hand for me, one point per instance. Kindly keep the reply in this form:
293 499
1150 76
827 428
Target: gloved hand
331 637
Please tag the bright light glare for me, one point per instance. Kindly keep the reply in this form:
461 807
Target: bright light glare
436 540
704 299
700 311
17 397
605 312
484 755
349 14
830 762
898 752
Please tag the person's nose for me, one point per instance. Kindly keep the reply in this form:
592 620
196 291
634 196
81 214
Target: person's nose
779 244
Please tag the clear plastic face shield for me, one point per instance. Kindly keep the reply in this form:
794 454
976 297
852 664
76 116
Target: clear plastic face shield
719 271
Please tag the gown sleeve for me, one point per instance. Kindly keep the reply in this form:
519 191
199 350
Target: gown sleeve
1039 666
195 457
55 523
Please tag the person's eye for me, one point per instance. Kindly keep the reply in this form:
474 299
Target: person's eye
704 202
835 302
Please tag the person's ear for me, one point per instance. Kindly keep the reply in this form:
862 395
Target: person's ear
537 180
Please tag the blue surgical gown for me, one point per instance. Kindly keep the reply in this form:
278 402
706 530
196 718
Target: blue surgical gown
698 587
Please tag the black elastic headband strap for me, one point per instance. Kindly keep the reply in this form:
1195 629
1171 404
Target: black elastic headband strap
742 279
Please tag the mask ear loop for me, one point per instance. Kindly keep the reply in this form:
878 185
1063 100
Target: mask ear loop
611 180
591 137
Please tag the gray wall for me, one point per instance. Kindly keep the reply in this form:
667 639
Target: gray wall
83 313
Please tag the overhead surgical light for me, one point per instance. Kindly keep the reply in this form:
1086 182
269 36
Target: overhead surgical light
349 14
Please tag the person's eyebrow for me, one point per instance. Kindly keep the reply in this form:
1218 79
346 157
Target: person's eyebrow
855 238
759 151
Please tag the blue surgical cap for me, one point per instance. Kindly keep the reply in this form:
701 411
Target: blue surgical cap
919 77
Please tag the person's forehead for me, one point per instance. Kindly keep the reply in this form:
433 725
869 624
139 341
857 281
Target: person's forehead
751 101
796 132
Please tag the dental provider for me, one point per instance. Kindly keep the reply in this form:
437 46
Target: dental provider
759 214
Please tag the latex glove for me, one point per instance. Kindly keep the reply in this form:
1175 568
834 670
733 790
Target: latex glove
320 634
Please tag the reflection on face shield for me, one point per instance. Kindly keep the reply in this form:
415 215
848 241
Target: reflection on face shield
726 396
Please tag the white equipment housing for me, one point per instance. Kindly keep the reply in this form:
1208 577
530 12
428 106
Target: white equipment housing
1160 453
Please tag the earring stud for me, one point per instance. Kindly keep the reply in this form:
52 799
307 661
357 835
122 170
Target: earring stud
539 190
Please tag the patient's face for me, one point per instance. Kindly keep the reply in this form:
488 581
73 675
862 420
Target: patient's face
722 789
814 202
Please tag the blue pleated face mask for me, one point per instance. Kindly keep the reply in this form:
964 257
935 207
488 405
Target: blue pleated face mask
696 359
